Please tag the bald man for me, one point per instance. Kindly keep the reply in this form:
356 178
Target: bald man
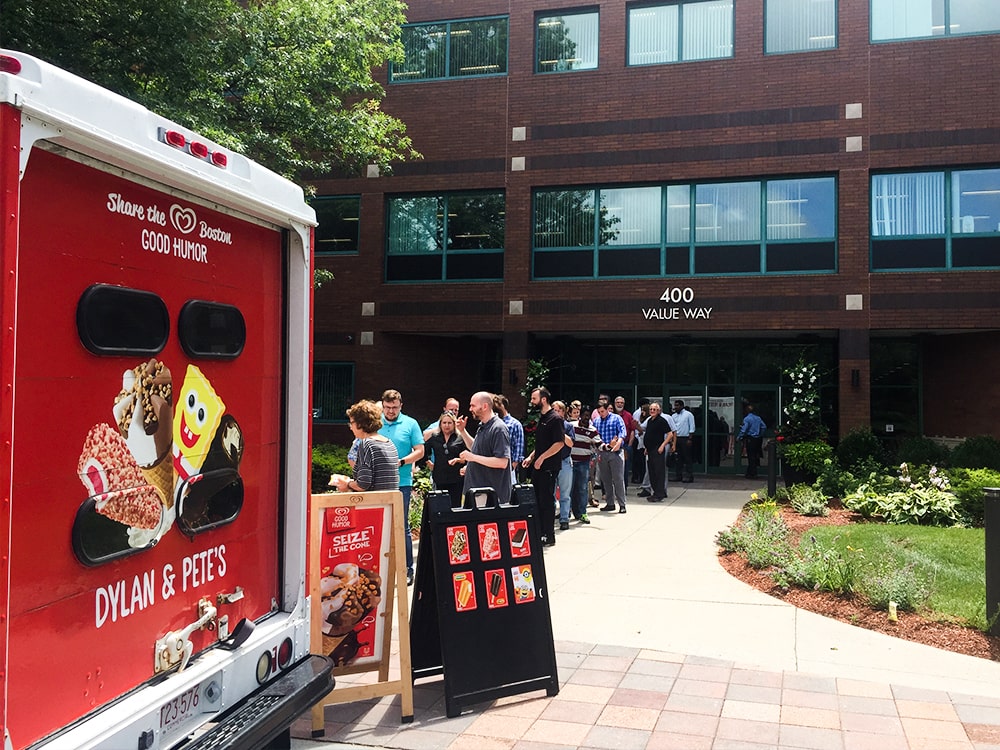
487 462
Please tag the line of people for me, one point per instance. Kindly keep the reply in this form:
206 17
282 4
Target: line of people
573 448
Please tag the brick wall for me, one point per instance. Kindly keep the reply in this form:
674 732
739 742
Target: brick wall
923 103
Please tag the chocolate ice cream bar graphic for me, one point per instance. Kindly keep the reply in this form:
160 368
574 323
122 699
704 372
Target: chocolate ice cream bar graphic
518 539
495 582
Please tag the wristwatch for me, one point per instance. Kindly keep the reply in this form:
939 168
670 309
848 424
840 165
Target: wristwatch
402 463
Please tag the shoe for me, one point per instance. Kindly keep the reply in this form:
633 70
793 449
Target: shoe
548 542
584 518
687 481
656 499
606 508
650 499
594 504
564 526
644 493
409 578
621 509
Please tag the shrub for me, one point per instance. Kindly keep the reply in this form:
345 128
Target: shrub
917 451
905 500
808 501
981 452
808 456
861 448
821 567
883 584
968 484
760 534
422 484
328 459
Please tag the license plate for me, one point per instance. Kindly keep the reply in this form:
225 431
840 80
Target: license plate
174 711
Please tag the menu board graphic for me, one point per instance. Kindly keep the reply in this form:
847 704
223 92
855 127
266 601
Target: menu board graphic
458 545
496 589
465 592
520 543
489 542
354 555
524 584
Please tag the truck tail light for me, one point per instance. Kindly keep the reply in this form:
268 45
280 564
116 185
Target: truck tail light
9 64
197 149
285 651
173 138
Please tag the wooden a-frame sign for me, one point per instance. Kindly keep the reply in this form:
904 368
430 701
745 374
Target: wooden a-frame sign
357 557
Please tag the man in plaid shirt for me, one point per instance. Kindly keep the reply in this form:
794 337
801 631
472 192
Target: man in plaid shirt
610 460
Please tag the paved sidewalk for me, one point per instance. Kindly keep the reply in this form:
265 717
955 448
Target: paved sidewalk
658 647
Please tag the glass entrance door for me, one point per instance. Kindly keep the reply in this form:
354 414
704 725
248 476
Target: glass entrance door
766 405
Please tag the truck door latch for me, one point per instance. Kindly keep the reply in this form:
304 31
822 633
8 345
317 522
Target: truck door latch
176 647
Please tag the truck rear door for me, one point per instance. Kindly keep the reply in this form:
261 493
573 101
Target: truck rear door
147 432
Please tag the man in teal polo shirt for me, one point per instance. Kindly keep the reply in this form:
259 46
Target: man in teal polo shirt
404 432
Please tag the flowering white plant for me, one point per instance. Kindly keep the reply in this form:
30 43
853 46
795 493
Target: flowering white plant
802 412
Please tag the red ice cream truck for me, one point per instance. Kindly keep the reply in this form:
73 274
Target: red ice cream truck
154 360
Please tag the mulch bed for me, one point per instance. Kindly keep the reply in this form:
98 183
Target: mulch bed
853 610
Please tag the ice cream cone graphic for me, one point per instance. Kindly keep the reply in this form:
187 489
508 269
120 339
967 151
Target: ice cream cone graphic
144 416
161 476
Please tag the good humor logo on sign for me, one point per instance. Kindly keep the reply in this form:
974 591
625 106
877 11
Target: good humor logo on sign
684 309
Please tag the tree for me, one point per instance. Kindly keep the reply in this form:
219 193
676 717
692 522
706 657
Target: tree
287 82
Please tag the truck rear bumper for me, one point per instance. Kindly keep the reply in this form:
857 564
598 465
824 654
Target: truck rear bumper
266 713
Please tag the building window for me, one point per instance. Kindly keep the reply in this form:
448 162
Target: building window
908 19
680 31
935 220
797 26
333 390
339 222
452 49
772 226
450 237
565 42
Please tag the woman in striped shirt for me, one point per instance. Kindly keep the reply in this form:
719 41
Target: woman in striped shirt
377 466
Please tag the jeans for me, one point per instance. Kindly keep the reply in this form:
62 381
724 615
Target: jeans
406 522
565 480
579 495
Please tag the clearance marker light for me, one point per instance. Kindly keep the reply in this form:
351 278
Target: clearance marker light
9 64
195 148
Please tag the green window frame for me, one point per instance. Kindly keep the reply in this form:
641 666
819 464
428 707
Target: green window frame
797 26
567 41
474 47
338 224
455 236
333 391
671 32
895 20
935 219
773 226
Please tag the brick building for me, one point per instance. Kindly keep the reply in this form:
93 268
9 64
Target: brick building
678 199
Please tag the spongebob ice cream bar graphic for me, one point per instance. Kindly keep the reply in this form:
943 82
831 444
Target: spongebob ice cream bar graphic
162 466
199 414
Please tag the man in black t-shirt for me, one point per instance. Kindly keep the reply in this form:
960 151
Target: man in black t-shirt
657 439
545 462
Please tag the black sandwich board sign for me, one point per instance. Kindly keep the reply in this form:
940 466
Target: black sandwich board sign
480 603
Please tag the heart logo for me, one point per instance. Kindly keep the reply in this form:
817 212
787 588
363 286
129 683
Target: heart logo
183 219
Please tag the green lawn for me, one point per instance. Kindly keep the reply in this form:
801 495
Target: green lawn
950 560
